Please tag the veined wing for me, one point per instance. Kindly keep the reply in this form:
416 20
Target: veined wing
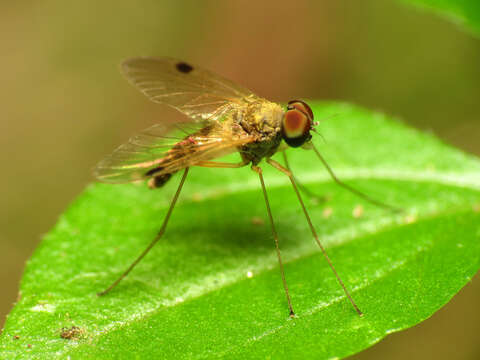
196 92
151 153
207 98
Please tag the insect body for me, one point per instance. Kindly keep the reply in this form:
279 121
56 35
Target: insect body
223 118
256 129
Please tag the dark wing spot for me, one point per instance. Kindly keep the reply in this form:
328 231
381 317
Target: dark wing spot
184 67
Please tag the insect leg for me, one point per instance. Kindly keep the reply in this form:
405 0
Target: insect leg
306 191
351 189
258 170
310 224
155 240
216 164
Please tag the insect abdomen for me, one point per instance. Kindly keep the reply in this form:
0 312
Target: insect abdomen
159 181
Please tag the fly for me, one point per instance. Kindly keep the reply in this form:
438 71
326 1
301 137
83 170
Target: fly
223 118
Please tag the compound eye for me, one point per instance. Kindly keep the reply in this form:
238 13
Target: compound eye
296 127
301 106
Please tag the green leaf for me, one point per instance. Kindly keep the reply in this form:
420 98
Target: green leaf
463 12
191 296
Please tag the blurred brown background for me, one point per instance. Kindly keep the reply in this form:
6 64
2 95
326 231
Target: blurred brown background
64 104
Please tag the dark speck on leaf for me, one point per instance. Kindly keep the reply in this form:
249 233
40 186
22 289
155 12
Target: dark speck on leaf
184 67
71 333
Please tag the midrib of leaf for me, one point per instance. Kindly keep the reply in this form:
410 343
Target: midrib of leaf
469 180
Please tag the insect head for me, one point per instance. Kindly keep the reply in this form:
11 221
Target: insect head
297 123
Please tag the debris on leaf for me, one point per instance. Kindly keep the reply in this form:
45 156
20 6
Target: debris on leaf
357 211
327 212
71 333
410 218
256 220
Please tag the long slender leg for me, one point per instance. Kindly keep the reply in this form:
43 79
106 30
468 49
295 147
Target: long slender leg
310 224
351 189
305 190
258 170
155 240
217 164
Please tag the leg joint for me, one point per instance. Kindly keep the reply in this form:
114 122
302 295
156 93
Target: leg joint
257 169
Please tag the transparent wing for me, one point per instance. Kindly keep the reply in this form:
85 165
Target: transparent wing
151 153
207 98
196 92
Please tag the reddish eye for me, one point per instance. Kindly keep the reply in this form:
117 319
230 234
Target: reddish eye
295 123
302 106
296 127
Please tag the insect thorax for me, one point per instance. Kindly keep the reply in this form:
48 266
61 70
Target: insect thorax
262 119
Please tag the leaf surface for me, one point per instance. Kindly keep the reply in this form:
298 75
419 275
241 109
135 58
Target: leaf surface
463 12
191 297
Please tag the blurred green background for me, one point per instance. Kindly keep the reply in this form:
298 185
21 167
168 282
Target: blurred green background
64 104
